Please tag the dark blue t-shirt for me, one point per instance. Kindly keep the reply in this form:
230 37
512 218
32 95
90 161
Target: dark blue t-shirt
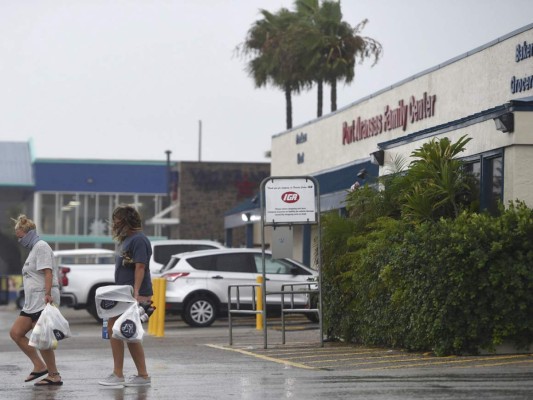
135 249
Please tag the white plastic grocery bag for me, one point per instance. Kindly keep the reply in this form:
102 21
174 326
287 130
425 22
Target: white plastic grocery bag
128 326
49 329
113 300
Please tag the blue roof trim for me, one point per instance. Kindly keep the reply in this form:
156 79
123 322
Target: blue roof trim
524 104
246 205
95 161
343 178
330 181
102 177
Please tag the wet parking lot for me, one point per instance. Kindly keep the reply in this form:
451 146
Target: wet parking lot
199 363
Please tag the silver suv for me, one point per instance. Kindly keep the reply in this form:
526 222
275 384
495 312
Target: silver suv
197 282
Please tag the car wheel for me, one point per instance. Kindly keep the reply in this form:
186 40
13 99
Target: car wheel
91 309
200 311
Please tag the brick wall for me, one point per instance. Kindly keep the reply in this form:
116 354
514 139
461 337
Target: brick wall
207 190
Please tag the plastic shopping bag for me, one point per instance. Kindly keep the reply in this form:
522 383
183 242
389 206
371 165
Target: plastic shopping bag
128 326
113 300
49 329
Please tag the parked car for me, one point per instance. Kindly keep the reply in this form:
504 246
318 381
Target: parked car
74 257
162 250
80 281
197 283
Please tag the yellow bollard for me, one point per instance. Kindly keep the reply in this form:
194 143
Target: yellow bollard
152 320
156 323
259 304
162 307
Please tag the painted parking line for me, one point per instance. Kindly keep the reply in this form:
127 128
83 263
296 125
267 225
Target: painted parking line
342 358
474 362
262 357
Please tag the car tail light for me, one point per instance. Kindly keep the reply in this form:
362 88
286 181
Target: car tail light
63 279
173 276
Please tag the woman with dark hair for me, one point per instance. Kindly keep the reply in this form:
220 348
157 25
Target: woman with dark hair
39 277
132 268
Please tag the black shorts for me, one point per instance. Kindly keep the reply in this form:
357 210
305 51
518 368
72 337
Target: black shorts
34 317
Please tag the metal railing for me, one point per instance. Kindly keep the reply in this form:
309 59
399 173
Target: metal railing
309 288
237 302
312 288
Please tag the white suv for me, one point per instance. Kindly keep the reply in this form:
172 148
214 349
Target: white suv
162 250
197 283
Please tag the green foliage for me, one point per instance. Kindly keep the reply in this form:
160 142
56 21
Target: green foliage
294 49
438 185
439 278
453 287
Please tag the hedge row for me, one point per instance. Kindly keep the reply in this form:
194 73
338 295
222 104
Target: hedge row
451 286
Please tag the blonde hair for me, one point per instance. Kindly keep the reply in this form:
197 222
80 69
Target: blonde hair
23 223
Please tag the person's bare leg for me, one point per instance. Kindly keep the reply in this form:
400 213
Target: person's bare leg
117 348
20 328
137 353
49 358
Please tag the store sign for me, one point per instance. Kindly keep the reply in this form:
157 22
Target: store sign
392 118
290 200
523 52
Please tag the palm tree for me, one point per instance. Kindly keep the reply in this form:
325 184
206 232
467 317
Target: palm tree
336 46
274 58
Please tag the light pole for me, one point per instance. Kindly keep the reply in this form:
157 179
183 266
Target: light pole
169 184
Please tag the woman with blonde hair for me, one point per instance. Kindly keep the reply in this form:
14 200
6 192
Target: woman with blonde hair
39 278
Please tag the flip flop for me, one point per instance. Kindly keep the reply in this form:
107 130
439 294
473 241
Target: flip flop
35 375
48 382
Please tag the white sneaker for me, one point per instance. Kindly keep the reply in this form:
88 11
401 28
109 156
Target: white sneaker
136 380
112 380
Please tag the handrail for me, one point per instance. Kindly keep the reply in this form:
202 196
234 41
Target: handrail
238 304
292 292
283 292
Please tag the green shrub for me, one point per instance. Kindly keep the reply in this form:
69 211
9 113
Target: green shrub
453 286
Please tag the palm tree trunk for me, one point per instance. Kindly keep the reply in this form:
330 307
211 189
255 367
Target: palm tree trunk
288 101
320 97
333 84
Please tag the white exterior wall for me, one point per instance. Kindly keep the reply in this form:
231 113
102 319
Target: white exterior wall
469 84
472 83
518 179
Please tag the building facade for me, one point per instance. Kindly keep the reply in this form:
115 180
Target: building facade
486 94
206 191
72 201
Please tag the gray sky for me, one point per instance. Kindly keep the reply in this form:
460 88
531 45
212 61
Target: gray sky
129 79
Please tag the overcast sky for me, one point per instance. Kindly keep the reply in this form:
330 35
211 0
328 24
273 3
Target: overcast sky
130 79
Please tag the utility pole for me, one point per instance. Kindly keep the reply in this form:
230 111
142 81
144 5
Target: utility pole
199 140
169 184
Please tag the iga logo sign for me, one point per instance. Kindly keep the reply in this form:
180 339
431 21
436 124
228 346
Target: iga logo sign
290 197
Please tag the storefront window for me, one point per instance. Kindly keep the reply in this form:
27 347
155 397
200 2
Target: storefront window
48 213
101 225
495 180
89 214
487 172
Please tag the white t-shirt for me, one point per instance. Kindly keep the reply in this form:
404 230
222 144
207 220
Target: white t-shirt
41 257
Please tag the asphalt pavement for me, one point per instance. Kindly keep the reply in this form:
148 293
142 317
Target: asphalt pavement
199 363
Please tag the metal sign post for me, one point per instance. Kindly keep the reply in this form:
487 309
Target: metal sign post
288 201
